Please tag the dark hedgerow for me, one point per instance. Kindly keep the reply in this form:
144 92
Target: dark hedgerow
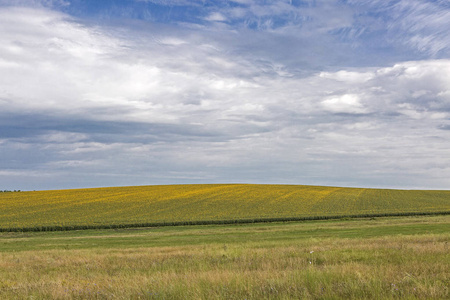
218 222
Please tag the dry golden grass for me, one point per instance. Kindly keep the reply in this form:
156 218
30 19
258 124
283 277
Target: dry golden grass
378 268
393 266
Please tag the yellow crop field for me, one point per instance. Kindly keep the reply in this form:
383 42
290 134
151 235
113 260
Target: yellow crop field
210 202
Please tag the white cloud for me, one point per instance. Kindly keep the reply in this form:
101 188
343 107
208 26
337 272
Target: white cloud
348 103
216 17
427 23
348 76
172 41
420 25
94 100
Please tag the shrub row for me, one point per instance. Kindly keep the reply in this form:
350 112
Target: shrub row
217 222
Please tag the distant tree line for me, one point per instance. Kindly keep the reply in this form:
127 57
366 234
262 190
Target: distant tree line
8 191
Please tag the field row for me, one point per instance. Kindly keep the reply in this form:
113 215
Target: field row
183 204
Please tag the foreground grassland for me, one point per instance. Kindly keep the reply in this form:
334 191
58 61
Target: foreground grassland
382 258
193 203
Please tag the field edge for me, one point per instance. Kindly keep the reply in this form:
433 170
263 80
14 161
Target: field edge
217 222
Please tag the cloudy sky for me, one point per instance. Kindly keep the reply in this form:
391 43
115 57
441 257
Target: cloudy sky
137 92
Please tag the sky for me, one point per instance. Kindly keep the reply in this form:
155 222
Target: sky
144 92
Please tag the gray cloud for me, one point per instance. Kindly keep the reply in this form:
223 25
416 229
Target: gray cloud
85 105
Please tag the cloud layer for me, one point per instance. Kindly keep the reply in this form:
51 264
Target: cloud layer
248 92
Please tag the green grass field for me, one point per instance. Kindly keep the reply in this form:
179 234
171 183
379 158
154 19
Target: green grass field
146 205
380 258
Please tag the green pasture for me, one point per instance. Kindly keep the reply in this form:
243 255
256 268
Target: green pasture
381 258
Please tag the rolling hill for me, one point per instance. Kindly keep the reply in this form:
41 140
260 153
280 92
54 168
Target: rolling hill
197 204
